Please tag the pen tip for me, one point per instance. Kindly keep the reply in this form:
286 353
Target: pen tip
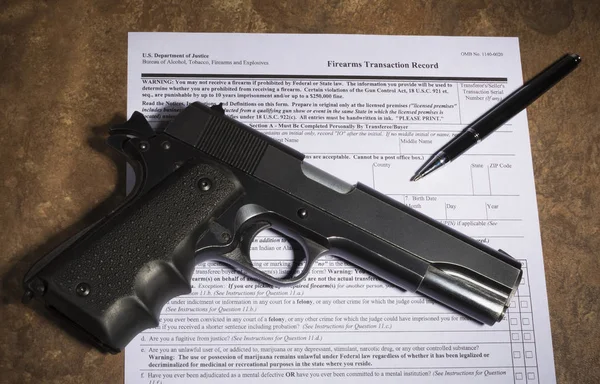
416 177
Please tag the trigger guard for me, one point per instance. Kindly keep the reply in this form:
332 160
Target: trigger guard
240 255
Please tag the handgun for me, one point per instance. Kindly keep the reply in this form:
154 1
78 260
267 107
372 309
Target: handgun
205 186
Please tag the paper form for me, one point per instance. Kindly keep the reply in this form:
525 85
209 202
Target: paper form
368 109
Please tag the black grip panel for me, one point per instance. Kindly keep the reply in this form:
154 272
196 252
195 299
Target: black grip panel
114 280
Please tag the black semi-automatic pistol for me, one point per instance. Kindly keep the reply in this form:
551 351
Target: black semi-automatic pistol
206 184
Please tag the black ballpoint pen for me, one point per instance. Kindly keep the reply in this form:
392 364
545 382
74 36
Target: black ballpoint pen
505 110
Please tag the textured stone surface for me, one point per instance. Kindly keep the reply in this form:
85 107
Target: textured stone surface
63 79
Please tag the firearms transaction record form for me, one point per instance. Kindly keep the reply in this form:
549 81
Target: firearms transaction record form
368 109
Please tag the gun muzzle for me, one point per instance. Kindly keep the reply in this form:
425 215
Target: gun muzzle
476 300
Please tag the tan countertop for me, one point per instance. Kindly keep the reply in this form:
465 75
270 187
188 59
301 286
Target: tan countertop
63 77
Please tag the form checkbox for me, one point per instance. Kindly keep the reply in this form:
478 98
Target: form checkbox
525 321
528 354
515 336
514 322
527 335
519 376
517 354
524 304
512 304
530 376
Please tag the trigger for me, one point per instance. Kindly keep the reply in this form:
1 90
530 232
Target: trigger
241 254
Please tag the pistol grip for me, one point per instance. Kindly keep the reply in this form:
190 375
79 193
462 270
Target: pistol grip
114 279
